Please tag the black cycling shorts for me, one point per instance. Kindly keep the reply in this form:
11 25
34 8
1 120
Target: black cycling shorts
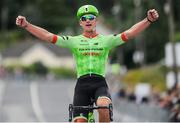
88 88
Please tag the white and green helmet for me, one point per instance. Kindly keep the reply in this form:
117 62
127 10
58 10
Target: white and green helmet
87 9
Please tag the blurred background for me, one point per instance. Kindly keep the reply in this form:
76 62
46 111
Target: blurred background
37 79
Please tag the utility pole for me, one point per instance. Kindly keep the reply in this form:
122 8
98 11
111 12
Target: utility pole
171 24
139 55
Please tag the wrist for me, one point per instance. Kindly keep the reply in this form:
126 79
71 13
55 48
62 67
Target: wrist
26 26
149 20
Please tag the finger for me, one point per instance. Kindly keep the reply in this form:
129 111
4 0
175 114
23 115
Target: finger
17 23
21 17
151 14
154 10
151 10
156 15
18 17
21 21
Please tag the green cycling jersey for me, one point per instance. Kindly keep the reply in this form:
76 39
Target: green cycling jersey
90 53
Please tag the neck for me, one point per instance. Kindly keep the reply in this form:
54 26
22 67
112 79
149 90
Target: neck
90 34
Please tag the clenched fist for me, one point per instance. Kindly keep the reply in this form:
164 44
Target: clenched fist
152 15
21 21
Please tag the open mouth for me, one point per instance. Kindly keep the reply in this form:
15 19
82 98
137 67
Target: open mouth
88 25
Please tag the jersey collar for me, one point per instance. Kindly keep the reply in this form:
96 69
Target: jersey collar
87 35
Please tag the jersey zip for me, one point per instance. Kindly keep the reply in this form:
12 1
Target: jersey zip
90 55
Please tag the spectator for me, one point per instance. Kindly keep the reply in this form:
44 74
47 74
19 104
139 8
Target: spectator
122 93
18 74
145 100
171 102
2 72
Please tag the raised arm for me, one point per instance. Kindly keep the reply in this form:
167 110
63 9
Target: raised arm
35 30
152 15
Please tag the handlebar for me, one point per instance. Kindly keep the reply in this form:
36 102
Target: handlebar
89 108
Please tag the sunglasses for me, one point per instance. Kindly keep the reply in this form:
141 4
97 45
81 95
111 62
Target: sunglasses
85 17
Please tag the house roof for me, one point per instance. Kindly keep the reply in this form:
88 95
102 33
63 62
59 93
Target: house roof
19 48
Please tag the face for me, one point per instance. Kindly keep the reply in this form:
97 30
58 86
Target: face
88 22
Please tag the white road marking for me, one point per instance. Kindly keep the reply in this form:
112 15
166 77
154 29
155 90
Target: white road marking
35 102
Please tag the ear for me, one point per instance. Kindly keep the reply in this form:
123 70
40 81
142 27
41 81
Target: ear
96 19
80 23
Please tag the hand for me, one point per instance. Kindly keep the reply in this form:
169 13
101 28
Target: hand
21 21
152 15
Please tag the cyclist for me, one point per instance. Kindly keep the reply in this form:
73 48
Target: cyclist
90 50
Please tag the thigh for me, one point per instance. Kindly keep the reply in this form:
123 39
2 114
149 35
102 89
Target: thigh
103 93
81 98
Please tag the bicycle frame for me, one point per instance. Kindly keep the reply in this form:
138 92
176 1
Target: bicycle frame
90 108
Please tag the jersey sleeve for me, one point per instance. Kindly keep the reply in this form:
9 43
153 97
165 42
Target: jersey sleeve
116 40
62 41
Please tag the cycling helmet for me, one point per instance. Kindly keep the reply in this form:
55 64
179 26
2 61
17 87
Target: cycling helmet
87 9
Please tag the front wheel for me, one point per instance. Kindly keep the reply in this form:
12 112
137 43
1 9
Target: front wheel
70 112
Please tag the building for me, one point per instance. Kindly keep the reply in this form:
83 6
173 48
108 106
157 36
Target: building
29 52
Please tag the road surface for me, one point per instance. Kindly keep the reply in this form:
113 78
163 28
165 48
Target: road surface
35 101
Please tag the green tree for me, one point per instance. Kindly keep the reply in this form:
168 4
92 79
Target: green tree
56 14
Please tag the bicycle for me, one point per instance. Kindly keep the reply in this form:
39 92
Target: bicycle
90 108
